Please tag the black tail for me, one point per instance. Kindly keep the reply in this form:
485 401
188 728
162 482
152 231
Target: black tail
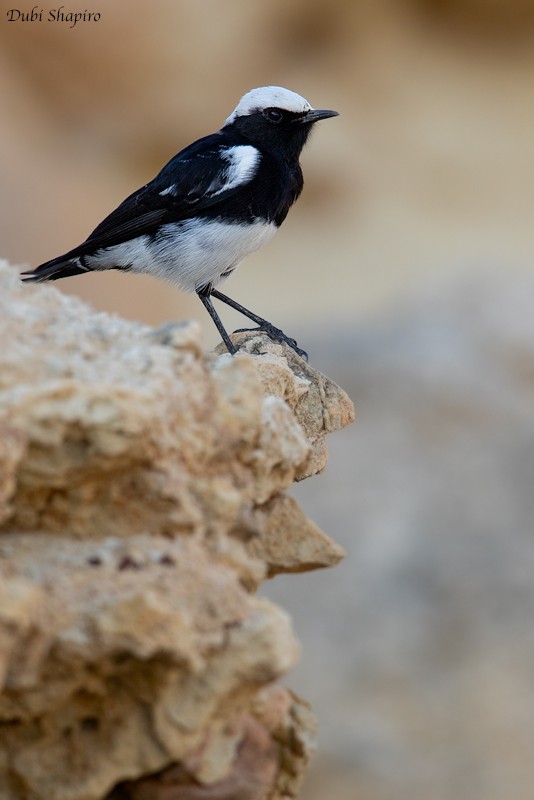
53 270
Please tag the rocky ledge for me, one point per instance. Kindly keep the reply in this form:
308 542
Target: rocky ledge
142 502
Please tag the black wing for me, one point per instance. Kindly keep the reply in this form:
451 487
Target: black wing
190 183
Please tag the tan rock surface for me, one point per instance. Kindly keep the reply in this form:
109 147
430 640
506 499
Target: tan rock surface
142 501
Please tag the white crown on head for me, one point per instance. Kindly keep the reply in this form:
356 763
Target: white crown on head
269 97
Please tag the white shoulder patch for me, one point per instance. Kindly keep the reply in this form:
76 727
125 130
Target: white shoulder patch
243 160
268 97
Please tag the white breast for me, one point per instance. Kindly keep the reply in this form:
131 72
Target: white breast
191 254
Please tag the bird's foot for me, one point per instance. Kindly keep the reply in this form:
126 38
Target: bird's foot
278 336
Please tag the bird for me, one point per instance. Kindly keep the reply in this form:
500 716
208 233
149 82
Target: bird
215 202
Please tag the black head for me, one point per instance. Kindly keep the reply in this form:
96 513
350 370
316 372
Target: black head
275 119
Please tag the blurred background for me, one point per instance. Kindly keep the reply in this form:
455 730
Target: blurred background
407 272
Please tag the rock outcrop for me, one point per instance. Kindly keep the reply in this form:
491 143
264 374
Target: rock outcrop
142 502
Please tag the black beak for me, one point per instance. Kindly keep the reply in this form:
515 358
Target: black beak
314 115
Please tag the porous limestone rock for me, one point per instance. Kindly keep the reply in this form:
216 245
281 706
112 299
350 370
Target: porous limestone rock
142 501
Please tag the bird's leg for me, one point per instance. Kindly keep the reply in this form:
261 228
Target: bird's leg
204 295
238 307
275 333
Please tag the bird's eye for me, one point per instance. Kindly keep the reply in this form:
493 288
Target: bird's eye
273 115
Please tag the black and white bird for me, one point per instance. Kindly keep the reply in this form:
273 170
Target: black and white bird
216 201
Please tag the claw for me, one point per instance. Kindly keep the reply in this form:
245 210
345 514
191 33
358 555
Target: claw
278 336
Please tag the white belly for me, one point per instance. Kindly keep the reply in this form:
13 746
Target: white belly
191 254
